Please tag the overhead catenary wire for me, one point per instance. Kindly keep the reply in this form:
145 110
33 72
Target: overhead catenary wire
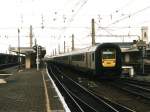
129 16
121 8
76 11
79 5
113 35
79 9
123 18
103 28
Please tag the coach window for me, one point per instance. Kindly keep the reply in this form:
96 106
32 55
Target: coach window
65 58
79 57
92 56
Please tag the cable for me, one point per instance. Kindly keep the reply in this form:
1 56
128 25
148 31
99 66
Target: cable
121 8
73 16
129 16
75 13
103 28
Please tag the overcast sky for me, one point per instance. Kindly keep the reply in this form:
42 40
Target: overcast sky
62 18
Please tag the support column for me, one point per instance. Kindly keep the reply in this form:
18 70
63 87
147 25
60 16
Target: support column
31 35
72 42
28 62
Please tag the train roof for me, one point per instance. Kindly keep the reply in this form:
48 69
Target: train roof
80 51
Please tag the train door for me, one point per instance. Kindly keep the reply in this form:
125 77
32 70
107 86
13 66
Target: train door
69 60
86 59
92 60
89 60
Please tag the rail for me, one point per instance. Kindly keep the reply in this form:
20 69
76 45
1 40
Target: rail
81 98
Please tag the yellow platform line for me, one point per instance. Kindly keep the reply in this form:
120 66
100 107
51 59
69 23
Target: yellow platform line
46 94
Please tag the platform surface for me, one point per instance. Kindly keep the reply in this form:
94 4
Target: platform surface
25 92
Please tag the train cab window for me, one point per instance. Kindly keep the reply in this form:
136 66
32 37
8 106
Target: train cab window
108 57
108 54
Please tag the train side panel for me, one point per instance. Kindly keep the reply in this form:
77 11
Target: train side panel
90 60
79 60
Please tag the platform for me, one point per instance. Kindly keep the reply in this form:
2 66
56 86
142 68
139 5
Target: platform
29 91
142 78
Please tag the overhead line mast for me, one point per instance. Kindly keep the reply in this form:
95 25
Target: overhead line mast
93 32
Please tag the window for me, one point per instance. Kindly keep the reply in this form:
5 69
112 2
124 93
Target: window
65 58
108 53
79 57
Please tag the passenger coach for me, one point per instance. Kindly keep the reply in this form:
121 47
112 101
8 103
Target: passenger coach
102 60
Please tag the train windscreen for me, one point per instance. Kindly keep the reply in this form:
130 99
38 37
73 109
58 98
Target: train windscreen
108 57
108 54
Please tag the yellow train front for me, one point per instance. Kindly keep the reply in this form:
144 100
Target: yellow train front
108 60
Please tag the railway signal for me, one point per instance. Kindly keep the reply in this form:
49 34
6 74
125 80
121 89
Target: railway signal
38 50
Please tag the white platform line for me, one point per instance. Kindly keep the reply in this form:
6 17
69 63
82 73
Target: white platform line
5 74
66 108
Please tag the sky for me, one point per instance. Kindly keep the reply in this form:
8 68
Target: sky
54 21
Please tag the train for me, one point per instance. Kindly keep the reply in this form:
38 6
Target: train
9 60
102 60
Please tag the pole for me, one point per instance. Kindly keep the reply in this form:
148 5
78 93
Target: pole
143 54
31 35
93 32
58 48
72 42
55 52
35 42
19 59
141 45
37 58
64 47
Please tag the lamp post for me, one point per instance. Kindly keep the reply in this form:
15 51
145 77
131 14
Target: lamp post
38 55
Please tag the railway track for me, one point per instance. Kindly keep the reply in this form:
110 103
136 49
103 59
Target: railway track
136 82
138 88
79 99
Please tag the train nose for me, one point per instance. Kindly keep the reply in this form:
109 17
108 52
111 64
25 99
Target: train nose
109 63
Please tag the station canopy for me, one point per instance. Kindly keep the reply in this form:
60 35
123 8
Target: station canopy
23 50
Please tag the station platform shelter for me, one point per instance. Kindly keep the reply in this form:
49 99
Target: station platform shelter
29 53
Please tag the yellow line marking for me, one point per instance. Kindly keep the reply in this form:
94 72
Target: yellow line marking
46 95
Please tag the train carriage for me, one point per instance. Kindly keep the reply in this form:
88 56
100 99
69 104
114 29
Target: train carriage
102 60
